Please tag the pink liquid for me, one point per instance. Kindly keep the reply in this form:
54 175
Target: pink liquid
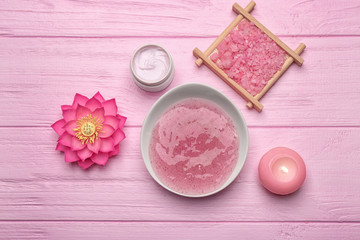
194 147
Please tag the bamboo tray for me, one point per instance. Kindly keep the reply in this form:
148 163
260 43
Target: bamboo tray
292 56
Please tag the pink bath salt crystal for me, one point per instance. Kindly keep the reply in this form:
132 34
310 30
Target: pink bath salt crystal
249 57
226 63
214 57
236 36
234 47
222 47
226 60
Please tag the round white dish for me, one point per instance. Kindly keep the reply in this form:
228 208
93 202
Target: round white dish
194 90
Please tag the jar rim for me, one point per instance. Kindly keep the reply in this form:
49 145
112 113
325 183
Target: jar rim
138 78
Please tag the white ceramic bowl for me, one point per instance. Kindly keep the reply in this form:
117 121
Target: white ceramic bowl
194 90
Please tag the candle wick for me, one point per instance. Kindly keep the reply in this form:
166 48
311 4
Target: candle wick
284 169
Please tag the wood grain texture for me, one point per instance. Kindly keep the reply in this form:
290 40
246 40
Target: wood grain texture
49 50
32 70
41 186
99 18
178 230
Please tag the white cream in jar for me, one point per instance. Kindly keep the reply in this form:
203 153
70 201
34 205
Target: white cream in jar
152 68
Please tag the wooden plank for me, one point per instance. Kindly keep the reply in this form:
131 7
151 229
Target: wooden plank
42 70
31 92
177 230
289 51
36 184
164 18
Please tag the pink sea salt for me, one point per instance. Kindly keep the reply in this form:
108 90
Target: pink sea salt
249 57
194 147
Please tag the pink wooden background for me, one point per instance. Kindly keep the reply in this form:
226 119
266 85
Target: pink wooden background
49 50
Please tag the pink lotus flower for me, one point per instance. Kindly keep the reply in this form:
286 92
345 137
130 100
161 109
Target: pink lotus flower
90 131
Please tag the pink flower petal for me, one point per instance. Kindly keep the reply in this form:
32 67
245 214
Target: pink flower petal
110 107
66 107
118 136
82 112
76 144
84 154
115 152
71 156
60 147
99 97
107 131
69 115
85 164
65 139
58 126
112 121
107 145
122 121
79 99
104 146
93 104
94 147
100 158
70 126
99 113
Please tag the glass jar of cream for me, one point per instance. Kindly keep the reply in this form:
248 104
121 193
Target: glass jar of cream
152 68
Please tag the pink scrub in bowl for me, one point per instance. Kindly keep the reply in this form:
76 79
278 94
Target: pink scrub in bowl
194 141
194 147
282 171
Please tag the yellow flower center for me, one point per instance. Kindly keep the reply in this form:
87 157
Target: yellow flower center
88 128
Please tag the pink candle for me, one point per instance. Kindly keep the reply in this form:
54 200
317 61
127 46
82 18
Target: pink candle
282 170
